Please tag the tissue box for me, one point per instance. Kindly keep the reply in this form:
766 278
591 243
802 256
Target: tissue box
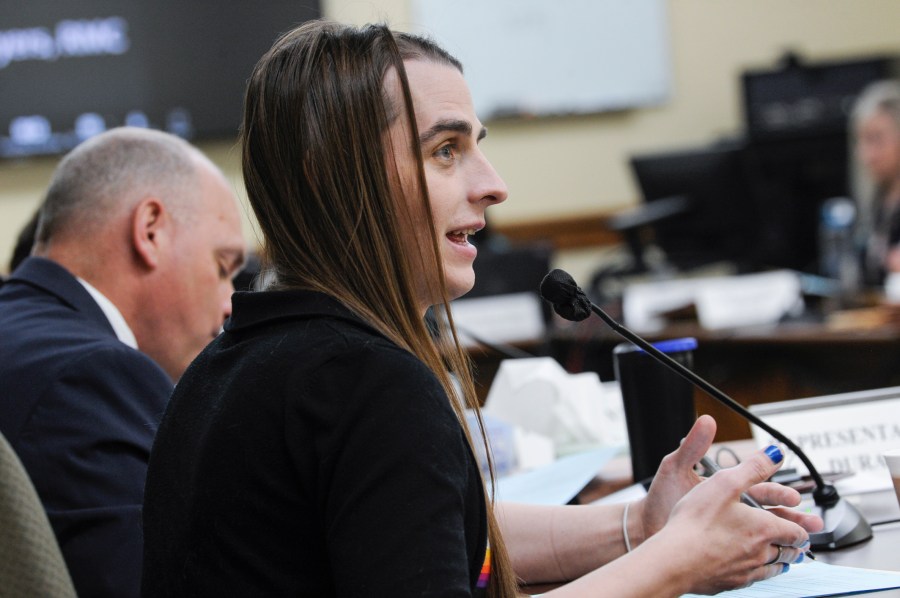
574 410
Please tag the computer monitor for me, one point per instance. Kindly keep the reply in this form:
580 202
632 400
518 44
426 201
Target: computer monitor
70 70
793 176
721 220
805 98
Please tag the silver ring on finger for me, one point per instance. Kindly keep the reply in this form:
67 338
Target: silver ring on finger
777 556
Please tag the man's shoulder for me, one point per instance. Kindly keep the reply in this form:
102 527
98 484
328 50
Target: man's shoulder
35 321
41 292
50 337
50 350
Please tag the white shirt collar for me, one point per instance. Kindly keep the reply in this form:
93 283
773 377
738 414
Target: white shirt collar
112 313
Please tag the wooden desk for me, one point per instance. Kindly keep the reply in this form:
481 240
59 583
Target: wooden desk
881 552
758 365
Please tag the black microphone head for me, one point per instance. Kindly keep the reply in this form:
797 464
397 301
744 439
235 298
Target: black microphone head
568 300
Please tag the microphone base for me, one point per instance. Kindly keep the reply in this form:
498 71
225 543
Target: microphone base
844 526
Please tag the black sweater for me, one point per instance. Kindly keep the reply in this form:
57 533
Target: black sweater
305 454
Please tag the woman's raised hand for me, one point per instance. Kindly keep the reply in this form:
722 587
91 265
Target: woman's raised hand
724 542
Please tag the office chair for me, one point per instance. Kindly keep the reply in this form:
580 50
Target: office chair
31 563
632 223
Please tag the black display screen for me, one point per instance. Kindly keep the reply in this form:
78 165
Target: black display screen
70 70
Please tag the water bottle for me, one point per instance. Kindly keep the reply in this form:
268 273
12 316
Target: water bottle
659 404
838 255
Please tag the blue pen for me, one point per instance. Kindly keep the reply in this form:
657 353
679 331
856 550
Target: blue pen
712 467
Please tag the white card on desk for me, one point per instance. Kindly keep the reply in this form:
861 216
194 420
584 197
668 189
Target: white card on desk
839 433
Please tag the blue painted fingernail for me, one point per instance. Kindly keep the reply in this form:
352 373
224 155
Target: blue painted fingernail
774 453
799 558
785 567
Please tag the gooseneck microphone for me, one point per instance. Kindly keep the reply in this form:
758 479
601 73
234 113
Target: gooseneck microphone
844 525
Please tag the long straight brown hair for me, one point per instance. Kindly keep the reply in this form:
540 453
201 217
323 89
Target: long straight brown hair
322 180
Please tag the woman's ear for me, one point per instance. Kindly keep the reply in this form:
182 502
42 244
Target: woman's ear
148 222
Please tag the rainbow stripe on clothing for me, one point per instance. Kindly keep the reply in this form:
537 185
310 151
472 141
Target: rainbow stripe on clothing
485 577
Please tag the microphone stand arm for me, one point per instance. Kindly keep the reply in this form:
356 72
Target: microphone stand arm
824 494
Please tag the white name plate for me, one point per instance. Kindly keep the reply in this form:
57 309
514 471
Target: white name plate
839 433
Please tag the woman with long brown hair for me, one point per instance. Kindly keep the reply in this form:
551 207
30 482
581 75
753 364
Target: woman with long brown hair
318 447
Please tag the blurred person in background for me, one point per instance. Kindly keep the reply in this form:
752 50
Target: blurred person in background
876 132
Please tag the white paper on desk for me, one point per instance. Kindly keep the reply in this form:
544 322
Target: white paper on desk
556 483
643 303
748 300
814 579
721 301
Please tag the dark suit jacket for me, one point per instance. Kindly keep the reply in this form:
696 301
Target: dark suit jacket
81 410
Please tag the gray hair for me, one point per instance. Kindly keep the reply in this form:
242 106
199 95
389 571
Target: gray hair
111 173
879 96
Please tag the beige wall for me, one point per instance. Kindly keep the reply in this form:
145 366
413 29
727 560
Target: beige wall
570 166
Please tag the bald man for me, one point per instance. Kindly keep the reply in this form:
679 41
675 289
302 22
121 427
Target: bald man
138 239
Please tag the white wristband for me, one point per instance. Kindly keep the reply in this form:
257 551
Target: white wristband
625 527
